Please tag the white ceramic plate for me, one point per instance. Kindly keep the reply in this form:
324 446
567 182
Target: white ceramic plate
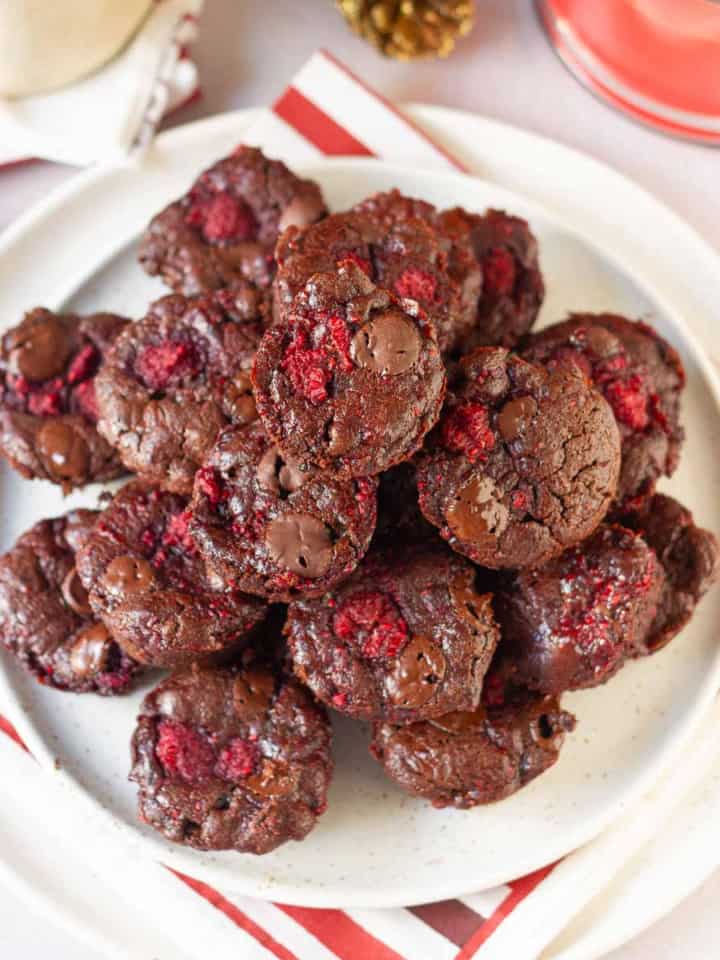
374 847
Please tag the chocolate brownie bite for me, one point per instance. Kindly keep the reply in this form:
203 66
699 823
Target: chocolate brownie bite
575 621
405 255
231 759
405 637
267 527
688 555
465 759
149 586
524 462
512 285
45 619
174 379
48 410
225 227
354 380
451 301
640 375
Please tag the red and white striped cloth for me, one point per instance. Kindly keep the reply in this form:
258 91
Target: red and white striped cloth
328 111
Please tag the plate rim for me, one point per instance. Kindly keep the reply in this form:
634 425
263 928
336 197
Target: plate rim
288 893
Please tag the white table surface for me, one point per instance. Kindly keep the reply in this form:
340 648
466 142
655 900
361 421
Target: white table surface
246 53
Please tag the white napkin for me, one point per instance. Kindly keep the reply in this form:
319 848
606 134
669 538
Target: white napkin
100 118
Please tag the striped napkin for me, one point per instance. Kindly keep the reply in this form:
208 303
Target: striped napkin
328 111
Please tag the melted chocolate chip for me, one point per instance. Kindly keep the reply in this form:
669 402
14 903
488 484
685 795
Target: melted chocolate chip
476 513
252 694
128 574
388 344
418 669
301 543
75 595
39 349
64 451
473 607
515 417
90 651
301 211
461 721
238 399
277 475
602 342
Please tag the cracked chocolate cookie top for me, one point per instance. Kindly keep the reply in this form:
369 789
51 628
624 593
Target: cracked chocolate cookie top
175 378
640 375
353 381
231 759
48 409
523 464
225 228
407 636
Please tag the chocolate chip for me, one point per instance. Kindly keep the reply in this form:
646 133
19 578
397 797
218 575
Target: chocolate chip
278 475
476 513
90 652
126 574
515 417
418 670
64 452
38 349
473 607
387 344
252 694
461 721
301 543
238 400
74 594
602 342
301 211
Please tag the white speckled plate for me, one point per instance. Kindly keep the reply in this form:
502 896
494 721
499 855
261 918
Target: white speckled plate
375 846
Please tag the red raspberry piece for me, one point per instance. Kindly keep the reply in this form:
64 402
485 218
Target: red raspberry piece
498 272
209 484
184 752
86 400
340 336
339 699
222 218
417 285
519 500
237 760
355 258
83 365
157 365
44 404
309 369
176 533
467 430
629 401
372 621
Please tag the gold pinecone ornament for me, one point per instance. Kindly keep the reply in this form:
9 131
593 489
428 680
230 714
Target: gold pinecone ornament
410 29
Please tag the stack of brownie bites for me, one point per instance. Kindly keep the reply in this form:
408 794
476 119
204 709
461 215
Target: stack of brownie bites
360 482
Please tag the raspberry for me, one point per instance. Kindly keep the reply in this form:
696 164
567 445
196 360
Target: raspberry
498 272
209 484
355 258
519 500
372 621
417 285
339 699
45 404
222 218
237 760
157 365
176 533
466 430
629 401
309 369
83 365
183 752
341 340
84 394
